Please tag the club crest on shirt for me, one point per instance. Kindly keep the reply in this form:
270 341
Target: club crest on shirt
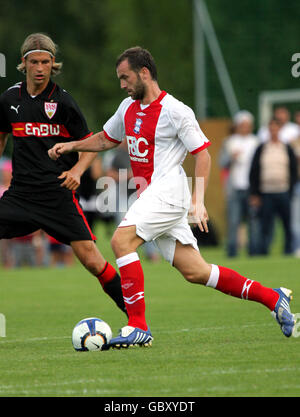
50 109
137 126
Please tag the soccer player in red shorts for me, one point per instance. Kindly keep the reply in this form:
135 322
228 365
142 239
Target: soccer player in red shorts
160 130
42 195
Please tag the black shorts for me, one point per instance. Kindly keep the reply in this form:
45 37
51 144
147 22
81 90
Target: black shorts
57 212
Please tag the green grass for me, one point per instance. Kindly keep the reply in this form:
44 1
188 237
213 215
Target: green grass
205 343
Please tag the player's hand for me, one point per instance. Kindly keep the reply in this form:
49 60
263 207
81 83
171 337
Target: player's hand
71 180
60 149
198 215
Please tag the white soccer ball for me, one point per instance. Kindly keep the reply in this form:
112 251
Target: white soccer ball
91 334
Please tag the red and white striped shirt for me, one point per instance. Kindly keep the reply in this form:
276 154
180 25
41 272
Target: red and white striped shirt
158 138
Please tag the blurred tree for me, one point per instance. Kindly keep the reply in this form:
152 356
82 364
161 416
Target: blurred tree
257 39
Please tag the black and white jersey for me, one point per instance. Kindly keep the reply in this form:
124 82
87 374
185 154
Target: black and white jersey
37 124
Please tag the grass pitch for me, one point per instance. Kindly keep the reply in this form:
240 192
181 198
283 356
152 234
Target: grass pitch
205 343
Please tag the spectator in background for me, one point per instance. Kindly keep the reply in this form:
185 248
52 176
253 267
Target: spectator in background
273 174
41 244
297 120
288 131
60 254
296 194
24 251
236 155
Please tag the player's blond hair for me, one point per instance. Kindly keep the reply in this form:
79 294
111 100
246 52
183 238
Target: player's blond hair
39 41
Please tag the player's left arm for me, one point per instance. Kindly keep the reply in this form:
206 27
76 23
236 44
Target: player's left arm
189 132
202 172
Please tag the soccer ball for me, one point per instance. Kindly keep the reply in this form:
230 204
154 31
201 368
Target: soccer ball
91 334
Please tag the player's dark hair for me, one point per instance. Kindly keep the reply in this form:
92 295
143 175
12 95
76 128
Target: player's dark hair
139 58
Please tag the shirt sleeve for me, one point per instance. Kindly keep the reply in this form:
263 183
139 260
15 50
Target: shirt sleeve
76 123
5 126
188 129
114 128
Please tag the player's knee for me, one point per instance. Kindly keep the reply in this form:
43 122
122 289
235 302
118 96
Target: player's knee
121 243
196 276
117 243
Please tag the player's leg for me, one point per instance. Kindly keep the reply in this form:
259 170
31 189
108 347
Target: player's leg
196 270
143 221
91 258
124 243
191 264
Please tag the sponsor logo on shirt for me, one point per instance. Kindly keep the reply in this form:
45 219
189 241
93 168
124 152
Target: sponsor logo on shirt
137 148
39 129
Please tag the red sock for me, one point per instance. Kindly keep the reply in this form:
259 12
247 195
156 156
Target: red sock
132 281
232 283
107 274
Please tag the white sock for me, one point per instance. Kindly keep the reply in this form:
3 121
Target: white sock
214 276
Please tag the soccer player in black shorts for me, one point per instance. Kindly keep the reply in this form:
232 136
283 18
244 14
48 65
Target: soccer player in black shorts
42 195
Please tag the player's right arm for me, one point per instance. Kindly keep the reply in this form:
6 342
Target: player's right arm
95 143
110 137
3 141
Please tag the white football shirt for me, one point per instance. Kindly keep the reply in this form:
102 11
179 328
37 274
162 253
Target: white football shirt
158 138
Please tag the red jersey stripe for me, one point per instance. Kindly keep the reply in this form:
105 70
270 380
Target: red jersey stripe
111 139
140 132
205 145
39 129
52 91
